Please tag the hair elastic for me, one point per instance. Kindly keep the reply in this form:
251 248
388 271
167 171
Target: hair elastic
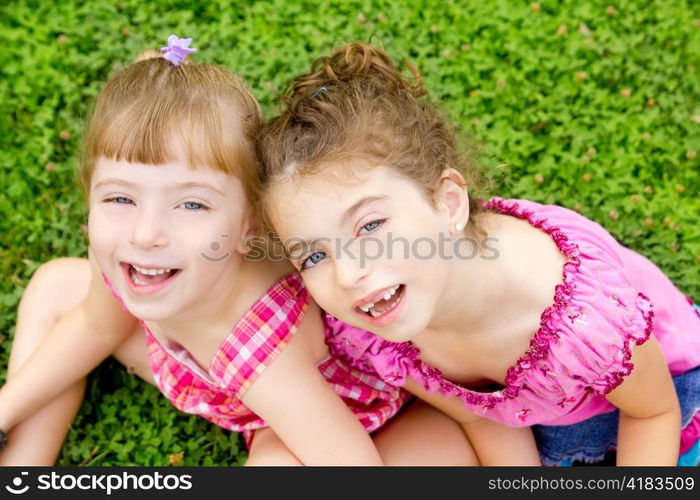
322 88
177 49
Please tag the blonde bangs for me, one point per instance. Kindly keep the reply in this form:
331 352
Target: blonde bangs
152 131
199 114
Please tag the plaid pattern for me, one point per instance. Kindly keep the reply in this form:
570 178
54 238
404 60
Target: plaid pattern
253 343
372 400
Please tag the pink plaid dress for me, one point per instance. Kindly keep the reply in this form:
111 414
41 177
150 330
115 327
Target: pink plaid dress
252 345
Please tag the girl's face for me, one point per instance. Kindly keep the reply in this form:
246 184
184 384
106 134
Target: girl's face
369 250
168 238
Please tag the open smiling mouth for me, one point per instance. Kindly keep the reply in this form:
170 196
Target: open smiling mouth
148 279
386 303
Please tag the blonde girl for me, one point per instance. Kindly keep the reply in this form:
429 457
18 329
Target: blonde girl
170 175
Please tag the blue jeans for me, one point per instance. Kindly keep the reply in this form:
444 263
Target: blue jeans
591 439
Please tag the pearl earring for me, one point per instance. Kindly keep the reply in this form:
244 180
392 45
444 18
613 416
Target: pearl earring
458 227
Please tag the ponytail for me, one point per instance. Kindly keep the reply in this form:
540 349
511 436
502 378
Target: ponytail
357 62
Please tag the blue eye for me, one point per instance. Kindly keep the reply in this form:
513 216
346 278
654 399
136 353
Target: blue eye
121 200
372 226
193 205
312 260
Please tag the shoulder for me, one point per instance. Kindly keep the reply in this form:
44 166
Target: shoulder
264 278
266 330
275 316
596 313
309 339
566 227
592 254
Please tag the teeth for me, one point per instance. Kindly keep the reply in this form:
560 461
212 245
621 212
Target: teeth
150 272
390 293
135 270
136 279
369 308
376 314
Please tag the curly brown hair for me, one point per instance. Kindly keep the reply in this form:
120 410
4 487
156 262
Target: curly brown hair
356 105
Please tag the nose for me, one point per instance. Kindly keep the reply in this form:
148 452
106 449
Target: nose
350 271
148 230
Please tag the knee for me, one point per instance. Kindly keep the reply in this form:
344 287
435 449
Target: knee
268 450
59 280
53 290
271 458
60 269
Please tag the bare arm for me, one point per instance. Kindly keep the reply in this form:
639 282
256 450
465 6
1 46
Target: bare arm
650 417
301 407
76 345
498 444
493 443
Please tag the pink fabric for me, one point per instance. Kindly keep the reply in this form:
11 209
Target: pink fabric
252 345
690 434
582 349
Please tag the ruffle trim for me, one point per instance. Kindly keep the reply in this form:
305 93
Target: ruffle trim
432 379
540 342
616 378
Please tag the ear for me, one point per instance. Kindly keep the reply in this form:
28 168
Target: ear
249 230
451 198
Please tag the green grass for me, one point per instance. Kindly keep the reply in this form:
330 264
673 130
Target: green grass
591 107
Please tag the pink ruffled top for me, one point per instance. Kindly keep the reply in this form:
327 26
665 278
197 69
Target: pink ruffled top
582 349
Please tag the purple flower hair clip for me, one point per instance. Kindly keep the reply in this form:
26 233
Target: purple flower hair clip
177 49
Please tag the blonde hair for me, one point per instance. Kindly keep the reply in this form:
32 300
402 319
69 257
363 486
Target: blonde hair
355 104
144 107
